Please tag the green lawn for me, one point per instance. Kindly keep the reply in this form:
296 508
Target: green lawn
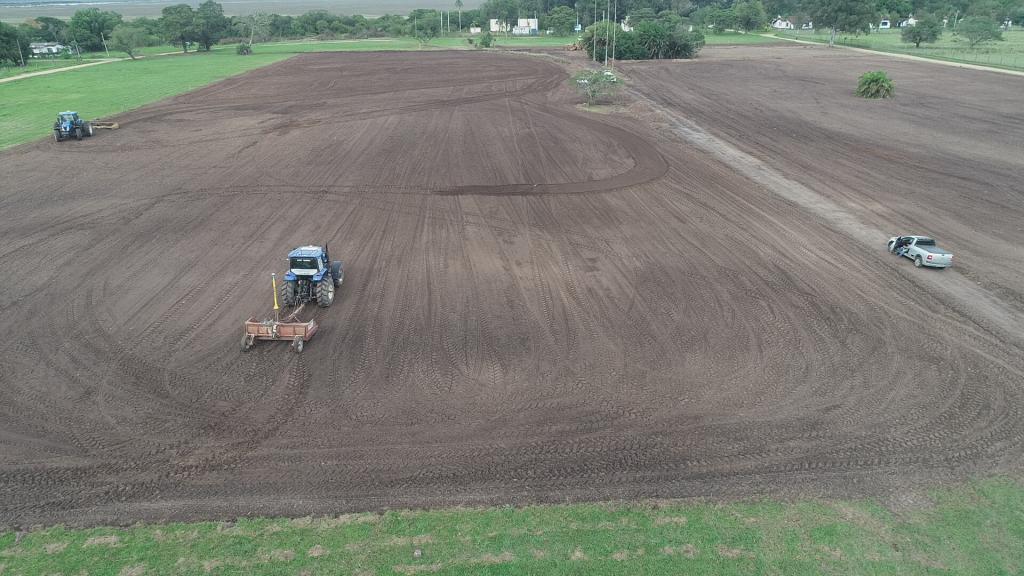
973 529
1008 53
39 66
30 105
738 38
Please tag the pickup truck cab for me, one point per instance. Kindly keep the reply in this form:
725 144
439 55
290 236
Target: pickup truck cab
922 250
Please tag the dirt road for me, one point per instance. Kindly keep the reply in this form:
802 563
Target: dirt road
540 304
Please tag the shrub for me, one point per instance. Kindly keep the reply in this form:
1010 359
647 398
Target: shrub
649 40
244 49
595 84
978 29
875 85
486 39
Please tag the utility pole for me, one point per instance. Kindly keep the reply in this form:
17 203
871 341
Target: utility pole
615 32
20 54
104 44
594 38
607 31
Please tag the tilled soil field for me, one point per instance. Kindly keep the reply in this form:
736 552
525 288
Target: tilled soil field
540 304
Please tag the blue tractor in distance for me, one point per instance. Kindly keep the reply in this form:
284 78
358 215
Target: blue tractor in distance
69 125
311 276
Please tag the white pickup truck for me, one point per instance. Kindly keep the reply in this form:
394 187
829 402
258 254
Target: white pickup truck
922 250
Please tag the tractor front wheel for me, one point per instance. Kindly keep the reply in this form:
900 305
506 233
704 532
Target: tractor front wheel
287 294
78 133
325 292
56 136
88 129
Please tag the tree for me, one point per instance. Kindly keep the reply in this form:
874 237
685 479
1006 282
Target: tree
875 85
643 14
842 15
90 27
894 9
928 29
426 25
179 24
655 39
51 29
258 24
210 24
562 20
128 39
750 15
595 84
504 10
978 29
458 6
13 45
718 19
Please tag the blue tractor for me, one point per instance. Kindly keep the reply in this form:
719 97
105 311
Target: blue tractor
311 276
69 125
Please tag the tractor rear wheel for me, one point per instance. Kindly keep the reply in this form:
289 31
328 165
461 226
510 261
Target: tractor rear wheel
286 292
325 292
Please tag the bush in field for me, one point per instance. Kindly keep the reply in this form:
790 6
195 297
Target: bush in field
978 29
596 84
649 40
875 85
129 39
244 49
486 39
928 29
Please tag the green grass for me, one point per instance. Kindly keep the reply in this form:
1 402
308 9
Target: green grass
738 38
30 105
1006 54
38 66
972 529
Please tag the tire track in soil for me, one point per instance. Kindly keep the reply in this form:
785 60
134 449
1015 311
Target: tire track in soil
572 322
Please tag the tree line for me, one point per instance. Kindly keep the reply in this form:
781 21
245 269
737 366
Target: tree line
92 29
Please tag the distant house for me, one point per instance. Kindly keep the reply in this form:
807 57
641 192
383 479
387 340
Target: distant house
781 23
46 49
626 26
884 25
526 27
499 25
475 30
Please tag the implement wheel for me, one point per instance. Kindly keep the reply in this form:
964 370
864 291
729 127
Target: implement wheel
297 344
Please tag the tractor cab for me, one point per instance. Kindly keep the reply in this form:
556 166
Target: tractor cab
68 120
306 261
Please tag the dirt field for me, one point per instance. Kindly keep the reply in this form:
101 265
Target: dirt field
541 304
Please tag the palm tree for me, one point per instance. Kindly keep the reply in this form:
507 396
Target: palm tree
458 4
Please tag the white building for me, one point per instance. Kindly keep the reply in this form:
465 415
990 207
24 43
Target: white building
47 48
526 27
475 30
781 23
499 25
